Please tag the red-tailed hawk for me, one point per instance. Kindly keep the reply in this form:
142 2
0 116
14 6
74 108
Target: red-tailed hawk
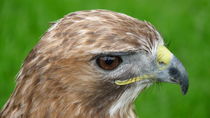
92 64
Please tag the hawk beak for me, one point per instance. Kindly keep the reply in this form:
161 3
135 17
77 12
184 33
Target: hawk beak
170 70
174 73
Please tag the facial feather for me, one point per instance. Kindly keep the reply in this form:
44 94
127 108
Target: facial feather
58 79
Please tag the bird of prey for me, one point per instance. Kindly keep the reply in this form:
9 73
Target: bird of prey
92 64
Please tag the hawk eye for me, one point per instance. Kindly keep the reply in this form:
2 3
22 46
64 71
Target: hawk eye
108 62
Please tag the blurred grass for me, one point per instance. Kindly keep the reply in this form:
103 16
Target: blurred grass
183 23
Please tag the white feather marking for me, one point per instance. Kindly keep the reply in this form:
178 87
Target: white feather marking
93 18
127 98
19 73
157 43
53 26
83 31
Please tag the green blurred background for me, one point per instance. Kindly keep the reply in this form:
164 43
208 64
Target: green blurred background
183 23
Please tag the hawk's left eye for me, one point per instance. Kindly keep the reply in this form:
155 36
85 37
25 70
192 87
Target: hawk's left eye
108 62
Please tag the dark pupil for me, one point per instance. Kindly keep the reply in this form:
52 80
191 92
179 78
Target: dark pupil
109 60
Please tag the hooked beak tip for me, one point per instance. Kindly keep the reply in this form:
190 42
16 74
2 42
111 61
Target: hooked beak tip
184 84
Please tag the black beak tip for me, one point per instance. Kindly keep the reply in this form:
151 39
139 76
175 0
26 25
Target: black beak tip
184 90
184 85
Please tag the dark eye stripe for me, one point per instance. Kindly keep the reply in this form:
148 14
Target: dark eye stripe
113 54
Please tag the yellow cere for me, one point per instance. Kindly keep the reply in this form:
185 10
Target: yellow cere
132 80
164 55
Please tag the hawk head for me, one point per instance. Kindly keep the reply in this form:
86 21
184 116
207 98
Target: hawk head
93 64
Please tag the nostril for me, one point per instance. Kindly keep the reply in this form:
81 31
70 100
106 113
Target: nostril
161 63
174 72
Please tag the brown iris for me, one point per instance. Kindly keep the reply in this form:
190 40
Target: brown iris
108 62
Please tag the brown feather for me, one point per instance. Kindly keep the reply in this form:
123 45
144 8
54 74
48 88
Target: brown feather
56 79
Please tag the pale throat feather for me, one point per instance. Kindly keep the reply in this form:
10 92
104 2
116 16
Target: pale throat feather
124 103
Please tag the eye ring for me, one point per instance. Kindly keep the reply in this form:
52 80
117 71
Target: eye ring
108 62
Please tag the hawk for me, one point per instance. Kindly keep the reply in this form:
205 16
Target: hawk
92 64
